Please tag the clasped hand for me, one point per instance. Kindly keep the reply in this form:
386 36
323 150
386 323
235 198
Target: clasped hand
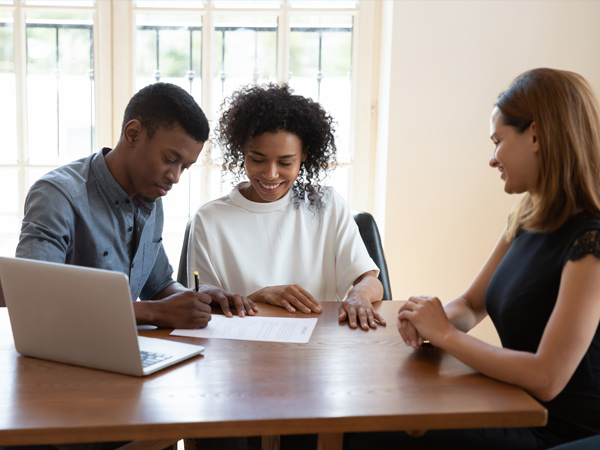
422 318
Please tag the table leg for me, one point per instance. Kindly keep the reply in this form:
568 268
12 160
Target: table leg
270 443
330 441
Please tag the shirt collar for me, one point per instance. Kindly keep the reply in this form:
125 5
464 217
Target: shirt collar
109 185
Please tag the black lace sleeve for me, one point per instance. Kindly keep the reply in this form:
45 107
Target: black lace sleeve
587 243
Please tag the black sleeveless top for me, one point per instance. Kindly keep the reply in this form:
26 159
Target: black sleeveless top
520 298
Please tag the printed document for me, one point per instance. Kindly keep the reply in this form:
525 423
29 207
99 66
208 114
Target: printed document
268 329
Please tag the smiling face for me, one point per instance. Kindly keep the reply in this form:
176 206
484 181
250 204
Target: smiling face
154 165
272 162
516 155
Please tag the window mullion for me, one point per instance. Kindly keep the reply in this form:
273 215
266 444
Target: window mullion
20 44
207 106
283 45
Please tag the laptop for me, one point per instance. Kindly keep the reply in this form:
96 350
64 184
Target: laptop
81 316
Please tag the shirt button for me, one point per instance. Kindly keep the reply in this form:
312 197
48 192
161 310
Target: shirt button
132 265
127 201
116 202
105 253
130 228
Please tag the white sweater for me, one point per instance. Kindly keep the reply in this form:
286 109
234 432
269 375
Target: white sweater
243 246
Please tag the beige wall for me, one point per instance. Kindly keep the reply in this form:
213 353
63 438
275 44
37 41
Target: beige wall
446 62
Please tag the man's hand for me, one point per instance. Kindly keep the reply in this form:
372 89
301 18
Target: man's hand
185 309
228 300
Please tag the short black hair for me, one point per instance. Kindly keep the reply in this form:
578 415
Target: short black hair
254 110
164 105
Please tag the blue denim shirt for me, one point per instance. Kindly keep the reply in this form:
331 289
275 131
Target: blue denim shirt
78 214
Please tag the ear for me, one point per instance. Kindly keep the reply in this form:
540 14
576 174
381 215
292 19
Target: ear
304 155
534 137
132 131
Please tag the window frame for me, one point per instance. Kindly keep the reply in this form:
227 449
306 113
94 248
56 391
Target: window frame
114 74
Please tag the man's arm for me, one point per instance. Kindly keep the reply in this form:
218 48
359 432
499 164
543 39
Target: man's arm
48 226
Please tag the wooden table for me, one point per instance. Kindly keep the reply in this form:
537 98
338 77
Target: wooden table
342 380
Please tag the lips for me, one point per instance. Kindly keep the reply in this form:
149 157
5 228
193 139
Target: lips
269 187
163 190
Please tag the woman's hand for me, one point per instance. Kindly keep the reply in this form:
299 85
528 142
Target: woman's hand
427 320
354 307
289 296
408 332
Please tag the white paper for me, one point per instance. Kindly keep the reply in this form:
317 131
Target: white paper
268 329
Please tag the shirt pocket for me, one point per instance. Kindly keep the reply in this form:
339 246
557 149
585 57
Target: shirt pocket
151 250
101 258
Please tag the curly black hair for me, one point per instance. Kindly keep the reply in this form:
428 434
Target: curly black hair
254 110
164 105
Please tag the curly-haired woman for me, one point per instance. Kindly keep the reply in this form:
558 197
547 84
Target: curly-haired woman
282 237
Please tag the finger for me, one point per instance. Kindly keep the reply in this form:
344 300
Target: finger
412 335
202 305
371 319
204 298
294 295
309 300
285 304
202 321
249 306
342 314
379 318
351 311
362 318
224 302
252 306
238 304
296 298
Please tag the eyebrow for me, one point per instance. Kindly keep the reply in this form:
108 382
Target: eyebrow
292 155
178 156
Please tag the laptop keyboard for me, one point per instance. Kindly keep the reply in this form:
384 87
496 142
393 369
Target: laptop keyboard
149 358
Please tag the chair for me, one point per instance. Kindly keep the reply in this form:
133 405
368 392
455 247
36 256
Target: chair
2 302
368 232
370 236
182 272
590 443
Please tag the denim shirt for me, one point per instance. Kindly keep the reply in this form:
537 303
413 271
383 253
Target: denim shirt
78 214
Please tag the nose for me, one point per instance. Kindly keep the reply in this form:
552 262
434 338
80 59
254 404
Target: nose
493 160
270 172
174 174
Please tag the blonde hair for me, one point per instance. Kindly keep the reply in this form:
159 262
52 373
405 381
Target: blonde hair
567 119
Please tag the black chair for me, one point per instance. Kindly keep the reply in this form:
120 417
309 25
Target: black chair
368 232
370 236
182 272
591 443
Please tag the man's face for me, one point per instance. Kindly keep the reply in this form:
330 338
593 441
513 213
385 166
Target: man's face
155 164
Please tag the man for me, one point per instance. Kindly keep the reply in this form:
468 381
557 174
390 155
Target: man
105 210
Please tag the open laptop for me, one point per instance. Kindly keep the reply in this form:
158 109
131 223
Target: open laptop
81 316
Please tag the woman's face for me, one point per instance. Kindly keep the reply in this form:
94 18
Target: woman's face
272 162
516 155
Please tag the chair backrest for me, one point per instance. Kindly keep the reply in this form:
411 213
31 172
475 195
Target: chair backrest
182 272
368 232
370 236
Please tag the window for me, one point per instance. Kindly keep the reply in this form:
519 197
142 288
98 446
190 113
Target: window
67 77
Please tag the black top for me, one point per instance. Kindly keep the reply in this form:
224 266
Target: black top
520 298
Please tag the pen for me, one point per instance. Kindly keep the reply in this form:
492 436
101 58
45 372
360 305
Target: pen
197 280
